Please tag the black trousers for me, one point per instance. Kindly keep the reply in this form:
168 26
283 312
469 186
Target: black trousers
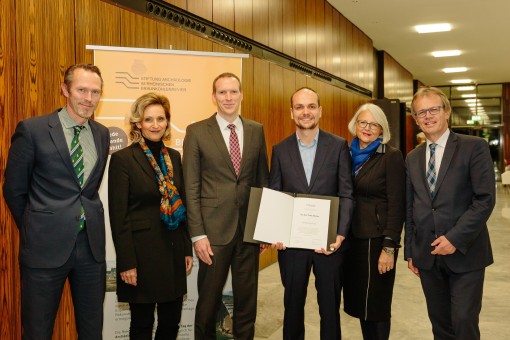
41 290
142 320
295 267
454 300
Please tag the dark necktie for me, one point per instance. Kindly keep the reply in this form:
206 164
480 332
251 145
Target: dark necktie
235 151
77 160
431 170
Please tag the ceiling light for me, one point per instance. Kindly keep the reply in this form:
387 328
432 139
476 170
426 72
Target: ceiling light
465 88
470 100
461 81
471 95
451 53
454 69
433 28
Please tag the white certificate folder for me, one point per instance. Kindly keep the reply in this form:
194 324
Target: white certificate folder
297 220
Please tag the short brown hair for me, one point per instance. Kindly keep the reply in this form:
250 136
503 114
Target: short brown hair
226 75
68 75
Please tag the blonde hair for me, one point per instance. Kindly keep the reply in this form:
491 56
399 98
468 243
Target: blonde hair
138 109
431 91
379 116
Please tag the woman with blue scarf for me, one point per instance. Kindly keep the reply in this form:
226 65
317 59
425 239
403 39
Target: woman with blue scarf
147 217
379 213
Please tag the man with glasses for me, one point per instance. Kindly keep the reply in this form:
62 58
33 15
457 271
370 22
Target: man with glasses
312 161
450 196
54 169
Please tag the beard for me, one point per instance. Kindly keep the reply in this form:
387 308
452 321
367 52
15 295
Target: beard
309 127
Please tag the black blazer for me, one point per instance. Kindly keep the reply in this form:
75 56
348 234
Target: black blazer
465 197
331 173
379 193
141 240
44 194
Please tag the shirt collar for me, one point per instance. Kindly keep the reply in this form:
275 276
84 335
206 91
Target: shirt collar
67 121
441 141
224 124
315 140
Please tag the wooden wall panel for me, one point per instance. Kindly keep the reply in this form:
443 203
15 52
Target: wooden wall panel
223 13
275 17
288 29
100 25
261 24
320 36
311 32
244 18
327 48
132 36
398 82
300 28
10 325
32 66
203 9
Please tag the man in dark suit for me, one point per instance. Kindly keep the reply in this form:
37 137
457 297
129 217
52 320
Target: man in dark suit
450 196
55 203
223 157
312 161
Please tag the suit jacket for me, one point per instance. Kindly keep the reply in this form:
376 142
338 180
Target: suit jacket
331 173
217 200
44 194
465 197
141 239
379 191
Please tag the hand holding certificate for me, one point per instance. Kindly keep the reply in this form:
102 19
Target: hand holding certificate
297 222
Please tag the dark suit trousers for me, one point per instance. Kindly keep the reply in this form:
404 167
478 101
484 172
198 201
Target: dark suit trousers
295 267
454 301
142 320
243 259
41 290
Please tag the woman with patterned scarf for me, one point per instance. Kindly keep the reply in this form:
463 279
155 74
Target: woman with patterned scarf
379 191
147 217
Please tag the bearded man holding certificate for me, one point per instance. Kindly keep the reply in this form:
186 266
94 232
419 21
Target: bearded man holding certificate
312 161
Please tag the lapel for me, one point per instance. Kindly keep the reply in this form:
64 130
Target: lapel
217 138
99 147
449 151
421 156
59 140
247 136
295 158
141 159
365 169
320 156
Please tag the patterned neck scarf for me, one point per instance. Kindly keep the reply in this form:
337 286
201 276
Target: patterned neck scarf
172 211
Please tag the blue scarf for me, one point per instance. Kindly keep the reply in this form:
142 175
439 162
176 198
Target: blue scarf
360 156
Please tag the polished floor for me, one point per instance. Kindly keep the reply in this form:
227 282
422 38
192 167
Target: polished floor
410 320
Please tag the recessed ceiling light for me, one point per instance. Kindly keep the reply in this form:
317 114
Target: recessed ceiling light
461 81
433 28
470 95
465 88
454 69
451 53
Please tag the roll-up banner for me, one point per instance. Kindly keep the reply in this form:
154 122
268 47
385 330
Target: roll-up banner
185 77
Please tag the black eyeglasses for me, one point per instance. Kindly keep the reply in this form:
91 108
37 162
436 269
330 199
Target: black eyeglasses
372 126
434 110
